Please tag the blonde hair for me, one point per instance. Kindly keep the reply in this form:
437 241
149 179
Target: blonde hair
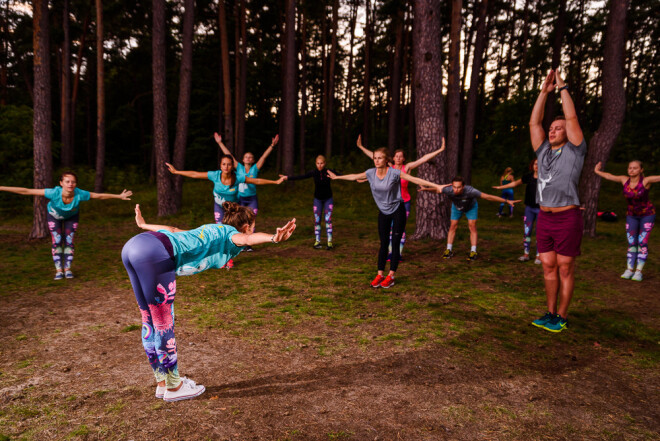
237 215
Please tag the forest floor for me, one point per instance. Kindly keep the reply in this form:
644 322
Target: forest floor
292 344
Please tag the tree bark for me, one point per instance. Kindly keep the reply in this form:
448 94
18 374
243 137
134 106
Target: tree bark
614 108
100 102
330 103
395 83
43 166
560 27
183 111
166 205
473 93
348 100
302 26
432 210
288 110
366 109
66 157
523 48
227 135
454 89
241 79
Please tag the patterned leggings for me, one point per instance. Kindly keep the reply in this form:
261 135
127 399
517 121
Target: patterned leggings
638 229
62 229
321 206
403 237
152 273
528 220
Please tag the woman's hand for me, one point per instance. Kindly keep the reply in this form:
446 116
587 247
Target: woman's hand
284 177
598 167
512 203
359 142
171 168
443 145
331 174
275 140
280 180
285 232
126 195
437 189
218 138
139 220
498 187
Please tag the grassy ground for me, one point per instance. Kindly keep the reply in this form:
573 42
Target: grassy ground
292 301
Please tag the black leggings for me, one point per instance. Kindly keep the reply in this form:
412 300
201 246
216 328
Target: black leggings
397 221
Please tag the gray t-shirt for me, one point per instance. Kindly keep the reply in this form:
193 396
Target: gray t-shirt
464 201
386 191
559 174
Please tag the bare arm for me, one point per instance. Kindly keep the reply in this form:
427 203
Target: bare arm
536 132
509 185
490 197
573 129
651 180
24 191
366 151
610 177
225 150
353 177
418 181
188 174
437 188
281 234
426 158
274 141
124 195
139 220
259 181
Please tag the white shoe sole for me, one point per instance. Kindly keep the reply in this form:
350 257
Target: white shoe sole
186 397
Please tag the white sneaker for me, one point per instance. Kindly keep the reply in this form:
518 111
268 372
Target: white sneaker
524 258
537 261
187 391
627 274
637 277
160 391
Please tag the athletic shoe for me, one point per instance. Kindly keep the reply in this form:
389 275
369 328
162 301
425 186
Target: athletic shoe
537 261
388 282
248 249
448 254
376 282
540 322
317 245
627 274
59 275
637 277
68 274
160 391
329 247
230 264
556 324
524 258
187 391
472 255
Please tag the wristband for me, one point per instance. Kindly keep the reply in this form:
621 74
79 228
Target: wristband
564 87
272 239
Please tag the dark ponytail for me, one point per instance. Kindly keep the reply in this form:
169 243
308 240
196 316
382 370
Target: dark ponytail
237 215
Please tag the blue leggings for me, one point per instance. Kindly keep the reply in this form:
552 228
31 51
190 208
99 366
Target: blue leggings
528 220
62 230
638 229
321 207
151 270
507 194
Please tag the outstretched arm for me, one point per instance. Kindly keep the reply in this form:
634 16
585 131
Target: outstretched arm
366 151
353 177
225 150
188 174
436 188
573 129
426 158
536 131
490 197
139 220
124 195
24 191
651 180
418 181
273 143
281 234
259 181
610 177
509 185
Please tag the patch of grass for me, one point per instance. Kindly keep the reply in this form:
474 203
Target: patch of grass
21 337
339 435
129 328
115 407
80 431
24 363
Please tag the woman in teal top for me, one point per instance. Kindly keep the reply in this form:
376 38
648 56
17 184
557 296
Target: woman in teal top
507 193
63 203
247 193
153 259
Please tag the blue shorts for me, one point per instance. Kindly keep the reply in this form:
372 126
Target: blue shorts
471 214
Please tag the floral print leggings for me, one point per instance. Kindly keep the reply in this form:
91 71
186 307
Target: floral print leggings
61 235
638 229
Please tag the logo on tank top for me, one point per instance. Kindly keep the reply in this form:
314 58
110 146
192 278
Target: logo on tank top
543 182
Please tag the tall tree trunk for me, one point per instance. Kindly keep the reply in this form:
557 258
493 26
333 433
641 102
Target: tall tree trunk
614 108
348 100
76 81
560 27
473 93
329 110
43 166
65 113
100 102
523 48
241 78
395 83
227 135
366 109
432 211
183 111
454 89
4 55
302 26
166 205
288 110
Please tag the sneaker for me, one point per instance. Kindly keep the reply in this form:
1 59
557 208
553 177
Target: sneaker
187 391
540 322
59 275
627 274
637 277
376 282
329 247
230 264
448 254
160 391
472 255
317 245
68 274
556 324
388 282
537 261
524 258
249 249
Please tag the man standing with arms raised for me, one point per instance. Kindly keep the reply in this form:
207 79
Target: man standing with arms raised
559 226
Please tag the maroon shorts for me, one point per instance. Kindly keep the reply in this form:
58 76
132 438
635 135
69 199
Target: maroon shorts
559 232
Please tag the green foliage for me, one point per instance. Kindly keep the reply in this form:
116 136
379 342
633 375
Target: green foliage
16 161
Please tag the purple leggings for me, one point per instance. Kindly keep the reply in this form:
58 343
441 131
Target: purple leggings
638 229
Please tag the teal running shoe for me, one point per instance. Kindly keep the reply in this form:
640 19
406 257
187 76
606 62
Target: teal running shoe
540 322
557 324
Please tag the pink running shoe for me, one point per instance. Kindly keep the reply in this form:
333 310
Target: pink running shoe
388 282
229 265
376 282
